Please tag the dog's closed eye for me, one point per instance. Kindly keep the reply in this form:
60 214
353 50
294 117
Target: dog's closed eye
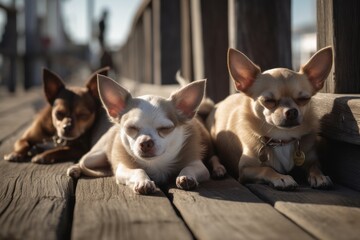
163 131
302 100
83 115
131 130
270 103
60 114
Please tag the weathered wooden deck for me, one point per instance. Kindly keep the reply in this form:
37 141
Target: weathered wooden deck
41 202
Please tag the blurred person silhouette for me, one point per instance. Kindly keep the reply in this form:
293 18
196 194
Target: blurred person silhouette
102 28
106 57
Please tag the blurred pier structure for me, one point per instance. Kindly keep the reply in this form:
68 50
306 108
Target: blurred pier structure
193 36
187 35
34 37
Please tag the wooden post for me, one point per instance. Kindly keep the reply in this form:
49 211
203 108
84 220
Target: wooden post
30 42
147 18
264 32
170 40
215 44
166 32
156 42
197 39
232 34
186 46
325 33
338 25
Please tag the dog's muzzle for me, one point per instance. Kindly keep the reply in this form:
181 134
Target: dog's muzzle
147 148
67 126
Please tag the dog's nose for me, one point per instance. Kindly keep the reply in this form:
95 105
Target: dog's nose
67 126
291 114
147 146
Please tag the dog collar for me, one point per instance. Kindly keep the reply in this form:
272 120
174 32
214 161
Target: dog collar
46 144
58 141
298 157
273 143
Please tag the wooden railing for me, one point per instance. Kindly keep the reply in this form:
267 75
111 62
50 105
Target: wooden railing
193 36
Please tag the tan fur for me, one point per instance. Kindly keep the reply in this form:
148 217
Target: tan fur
237 124
207 105
175 140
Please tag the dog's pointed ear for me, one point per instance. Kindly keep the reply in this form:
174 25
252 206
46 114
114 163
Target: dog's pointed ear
318 67
187 100
113 96
52 85
242 70
92 82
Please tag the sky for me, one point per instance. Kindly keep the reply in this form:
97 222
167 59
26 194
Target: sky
303 12
119 21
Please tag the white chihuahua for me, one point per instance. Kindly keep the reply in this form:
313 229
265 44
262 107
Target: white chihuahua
153 139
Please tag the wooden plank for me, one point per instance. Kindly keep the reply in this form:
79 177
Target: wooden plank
341 161
36 201
214 15
272 19
339 195
156 28
324 221
105 210
339 115
347 38
10 102
12 122
147 18
18 110
186 46
197 41
341 31
170 40
325 36
326 214
225 209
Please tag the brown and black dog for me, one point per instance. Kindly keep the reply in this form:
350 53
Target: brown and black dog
61 131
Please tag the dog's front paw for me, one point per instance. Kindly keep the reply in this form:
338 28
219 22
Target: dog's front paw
14 157
42 159
144 187
218 172
74 171
186 183
284 182
320 181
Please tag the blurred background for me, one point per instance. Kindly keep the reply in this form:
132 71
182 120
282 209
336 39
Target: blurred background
147 41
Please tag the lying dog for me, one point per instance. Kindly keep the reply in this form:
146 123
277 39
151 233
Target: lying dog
61 131
153 139
269 128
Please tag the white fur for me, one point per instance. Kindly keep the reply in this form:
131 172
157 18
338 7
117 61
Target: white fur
148 119
162 165
135 178
281 159
146 122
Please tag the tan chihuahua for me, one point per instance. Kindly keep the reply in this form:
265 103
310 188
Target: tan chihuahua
61 131
153 139
269 128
